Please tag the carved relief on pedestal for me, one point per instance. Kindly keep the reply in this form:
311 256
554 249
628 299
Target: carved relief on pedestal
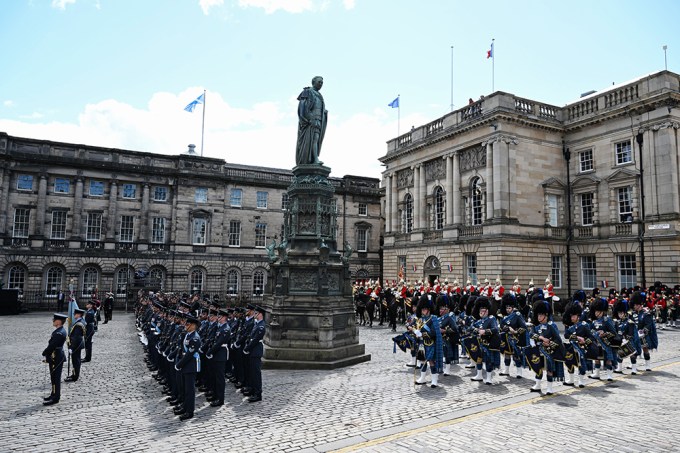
434 170
473 158
405 178
303 280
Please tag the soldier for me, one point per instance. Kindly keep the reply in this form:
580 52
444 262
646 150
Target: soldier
89 329
189 365
108 307
54 356
546 337
61 298
646 327
488 333
76 342
253 352
218 354
428 331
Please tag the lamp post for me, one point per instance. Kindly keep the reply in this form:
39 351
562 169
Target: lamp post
567 157
641 234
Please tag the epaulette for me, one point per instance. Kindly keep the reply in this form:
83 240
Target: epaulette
550 323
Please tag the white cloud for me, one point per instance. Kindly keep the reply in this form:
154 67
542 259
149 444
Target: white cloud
271 6
61 4
349 4
32 116
207 4
262 134
8 103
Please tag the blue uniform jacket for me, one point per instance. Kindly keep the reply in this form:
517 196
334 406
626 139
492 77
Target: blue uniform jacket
190 362
254 346
76 337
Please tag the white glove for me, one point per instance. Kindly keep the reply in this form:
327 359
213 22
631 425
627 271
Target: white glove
176 368
418 333
641 333
70 351
245 353
532 342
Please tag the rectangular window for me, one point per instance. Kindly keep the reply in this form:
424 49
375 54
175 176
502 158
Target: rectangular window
556 271
627 271
586 209
477 209
158 230
236 197
262 200
62 185
623 153
58 225
25 182
127 228
201 195
362 240
21 222
94 226
586 160
402 268
96 188
284 201
260 234
471 266
363 209
160 193
199 231
129 190
588 272
234 233
625 205
552 210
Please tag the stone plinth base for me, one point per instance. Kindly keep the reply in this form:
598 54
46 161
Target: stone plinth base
314 359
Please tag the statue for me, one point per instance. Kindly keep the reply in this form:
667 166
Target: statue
271 251
283 250
348 252
312 116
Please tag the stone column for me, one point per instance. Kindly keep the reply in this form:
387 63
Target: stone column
456 189
416 197
4 199
77 209
449 189
501 182
423 197
113 211
489 180
661 184
144 224
388 204
394 212
42 201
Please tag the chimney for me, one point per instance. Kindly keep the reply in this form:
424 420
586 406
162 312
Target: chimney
191 151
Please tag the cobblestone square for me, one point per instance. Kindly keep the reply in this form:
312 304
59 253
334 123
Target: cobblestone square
374 406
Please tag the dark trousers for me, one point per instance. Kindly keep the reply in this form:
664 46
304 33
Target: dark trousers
60 305
218 379
88 348
75 361
255 374
239 366
55 377
108 315
189 392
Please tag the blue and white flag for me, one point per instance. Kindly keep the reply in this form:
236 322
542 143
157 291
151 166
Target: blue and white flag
394 104
192 105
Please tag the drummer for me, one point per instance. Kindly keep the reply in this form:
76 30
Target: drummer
627 328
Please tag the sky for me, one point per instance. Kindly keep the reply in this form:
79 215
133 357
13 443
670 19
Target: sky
118 73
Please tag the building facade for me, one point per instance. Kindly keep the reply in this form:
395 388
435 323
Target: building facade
88 219
510 187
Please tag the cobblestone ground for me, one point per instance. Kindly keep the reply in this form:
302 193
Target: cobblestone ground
117 406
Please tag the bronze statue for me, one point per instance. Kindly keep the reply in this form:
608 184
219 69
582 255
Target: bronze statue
312 116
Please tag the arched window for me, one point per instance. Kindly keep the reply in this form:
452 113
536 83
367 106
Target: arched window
122 279
16 278
90 281
476 207
196 279
232 282
156 277
438 208
54 280
258 282
408 223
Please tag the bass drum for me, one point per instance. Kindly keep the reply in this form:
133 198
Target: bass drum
625 350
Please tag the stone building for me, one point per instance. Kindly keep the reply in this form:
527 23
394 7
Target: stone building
94 218
510 187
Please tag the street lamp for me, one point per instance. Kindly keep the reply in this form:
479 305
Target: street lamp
567 157
641 234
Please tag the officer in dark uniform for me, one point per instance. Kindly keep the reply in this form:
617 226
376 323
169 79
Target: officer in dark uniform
108 307
76 342
253 352
189 365
218 355
61 298
54 356
90 321
243 370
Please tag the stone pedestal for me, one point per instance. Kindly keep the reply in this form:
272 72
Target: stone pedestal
310 313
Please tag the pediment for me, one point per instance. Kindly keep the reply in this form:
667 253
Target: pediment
585 181
622 174
554 183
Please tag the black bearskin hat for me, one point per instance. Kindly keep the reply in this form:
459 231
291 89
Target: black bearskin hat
443 301
598 305
579 296
481 302
424 302
637 299
569 311
540 307
508 300
619 306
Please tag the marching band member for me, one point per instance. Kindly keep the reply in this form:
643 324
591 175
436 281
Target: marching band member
605 332
581 338
516 334
645 325
547 339
627 329
486 329
427 330
449 330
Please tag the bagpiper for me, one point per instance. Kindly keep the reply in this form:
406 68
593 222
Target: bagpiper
428 332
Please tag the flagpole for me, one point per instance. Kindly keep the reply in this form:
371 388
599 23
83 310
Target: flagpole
203 124
452 78
398 115
493 63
